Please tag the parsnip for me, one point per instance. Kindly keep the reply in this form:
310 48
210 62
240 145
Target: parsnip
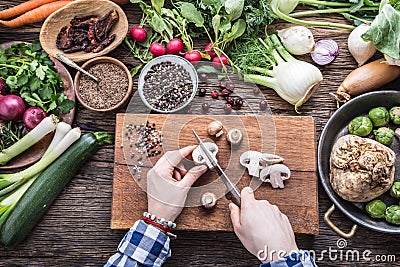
367 78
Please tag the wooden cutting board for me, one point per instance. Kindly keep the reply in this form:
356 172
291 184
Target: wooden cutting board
292 138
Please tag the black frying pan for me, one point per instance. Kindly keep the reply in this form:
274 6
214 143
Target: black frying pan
337 127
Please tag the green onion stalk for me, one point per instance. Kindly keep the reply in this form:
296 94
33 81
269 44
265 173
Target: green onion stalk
11 182
46 126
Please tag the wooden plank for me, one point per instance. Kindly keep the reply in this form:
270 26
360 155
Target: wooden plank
285 136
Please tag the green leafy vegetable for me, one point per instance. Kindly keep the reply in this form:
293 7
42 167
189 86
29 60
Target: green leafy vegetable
29 72
385 31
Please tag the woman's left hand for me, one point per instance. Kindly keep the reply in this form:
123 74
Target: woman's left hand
168 183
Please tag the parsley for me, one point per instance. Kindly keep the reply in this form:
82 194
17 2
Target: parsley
29 73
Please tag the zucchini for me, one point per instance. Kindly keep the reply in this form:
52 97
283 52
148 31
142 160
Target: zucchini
39 196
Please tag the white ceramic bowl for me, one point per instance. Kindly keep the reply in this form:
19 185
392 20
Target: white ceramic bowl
174 59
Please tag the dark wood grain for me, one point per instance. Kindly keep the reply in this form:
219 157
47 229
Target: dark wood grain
76 229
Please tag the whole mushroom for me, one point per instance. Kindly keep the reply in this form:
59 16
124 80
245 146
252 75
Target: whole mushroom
234 137
215 128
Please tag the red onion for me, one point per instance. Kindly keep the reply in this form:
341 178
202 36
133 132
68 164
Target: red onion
12 107
325 51
33 116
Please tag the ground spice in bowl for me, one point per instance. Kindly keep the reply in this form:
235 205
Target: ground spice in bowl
167 84
111 89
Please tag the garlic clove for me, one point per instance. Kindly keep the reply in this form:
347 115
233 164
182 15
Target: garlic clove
358 48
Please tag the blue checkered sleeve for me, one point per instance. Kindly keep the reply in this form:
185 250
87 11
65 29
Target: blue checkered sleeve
144 245
300 259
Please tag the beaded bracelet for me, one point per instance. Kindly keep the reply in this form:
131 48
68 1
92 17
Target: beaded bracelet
163 225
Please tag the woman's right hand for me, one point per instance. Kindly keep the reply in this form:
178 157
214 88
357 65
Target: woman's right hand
263 230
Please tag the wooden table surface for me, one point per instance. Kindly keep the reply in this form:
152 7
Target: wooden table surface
76 229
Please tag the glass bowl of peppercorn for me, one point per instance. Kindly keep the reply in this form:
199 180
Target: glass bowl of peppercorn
168 84
110 92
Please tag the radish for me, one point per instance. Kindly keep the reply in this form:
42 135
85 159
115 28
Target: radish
193 56
209 50
2 86
33 116
175 46
218 61
138 34
157 49
12 107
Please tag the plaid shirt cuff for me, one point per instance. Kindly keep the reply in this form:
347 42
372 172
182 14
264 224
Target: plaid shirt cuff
301 259
143 245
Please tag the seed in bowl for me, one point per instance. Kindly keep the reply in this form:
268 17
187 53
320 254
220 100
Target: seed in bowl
167 86
109 91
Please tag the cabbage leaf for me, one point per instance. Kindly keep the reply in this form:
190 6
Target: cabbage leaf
385 32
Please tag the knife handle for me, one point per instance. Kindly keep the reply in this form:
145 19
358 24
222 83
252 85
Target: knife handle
233 197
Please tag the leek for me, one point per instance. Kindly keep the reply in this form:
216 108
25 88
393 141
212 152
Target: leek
8 203
61 130
46 126
12 182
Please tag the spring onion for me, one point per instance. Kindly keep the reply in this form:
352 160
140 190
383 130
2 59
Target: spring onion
7 203
42 129
61 130
9 183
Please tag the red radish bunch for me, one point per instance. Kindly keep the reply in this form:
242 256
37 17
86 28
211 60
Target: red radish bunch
193 56
138 34
33 116
175 46
209 50
157 49
218 61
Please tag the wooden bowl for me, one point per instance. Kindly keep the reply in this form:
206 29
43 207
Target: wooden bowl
53 24
97 60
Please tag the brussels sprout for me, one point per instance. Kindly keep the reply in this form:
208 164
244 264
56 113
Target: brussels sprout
379 116
361 126
376 209
392 214
395 190
394 115
384 135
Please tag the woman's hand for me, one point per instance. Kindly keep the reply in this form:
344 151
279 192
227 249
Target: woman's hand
262 228
168 183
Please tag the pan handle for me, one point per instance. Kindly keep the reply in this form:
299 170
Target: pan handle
328 221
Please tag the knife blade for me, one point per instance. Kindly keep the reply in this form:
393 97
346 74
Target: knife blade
232 192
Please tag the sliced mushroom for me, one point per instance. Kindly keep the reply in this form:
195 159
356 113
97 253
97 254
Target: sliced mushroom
251 160
234 136
215 128
208 200
268 159
275 174
200 158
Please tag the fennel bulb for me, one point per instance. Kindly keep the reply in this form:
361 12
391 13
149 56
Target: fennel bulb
266 62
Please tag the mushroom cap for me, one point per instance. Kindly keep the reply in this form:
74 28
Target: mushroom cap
214 127
208 200
234 136
361 169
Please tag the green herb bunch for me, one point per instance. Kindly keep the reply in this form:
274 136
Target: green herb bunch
29 73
